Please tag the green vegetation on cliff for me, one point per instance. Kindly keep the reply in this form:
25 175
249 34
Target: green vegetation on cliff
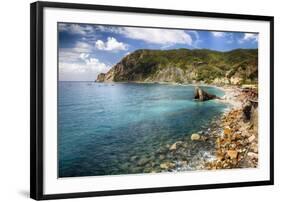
185 66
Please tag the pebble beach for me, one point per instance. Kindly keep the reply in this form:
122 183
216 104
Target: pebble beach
229 141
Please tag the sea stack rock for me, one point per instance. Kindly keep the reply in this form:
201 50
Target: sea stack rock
201 95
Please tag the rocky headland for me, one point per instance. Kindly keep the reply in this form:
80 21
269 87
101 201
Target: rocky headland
185 66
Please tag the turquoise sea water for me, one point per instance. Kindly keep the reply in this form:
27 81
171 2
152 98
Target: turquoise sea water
102 126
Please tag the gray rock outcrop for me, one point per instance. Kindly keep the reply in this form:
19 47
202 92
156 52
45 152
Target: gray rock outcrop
202 95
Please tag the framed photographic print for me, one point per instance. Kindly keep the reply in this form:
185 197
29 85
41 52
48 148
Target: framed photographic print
134 100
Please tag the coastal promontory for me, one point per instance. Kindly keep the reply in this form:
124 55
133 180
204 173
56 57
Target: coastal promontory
238 66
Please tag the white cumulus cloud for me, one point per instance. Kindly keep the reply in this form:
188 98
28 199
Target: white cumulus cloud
165 37
77 63
249 36
110 45
218 34
86 70
82 47
158 36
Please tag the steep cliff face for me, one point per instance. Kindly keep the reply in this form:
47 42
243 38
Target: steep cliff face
185 66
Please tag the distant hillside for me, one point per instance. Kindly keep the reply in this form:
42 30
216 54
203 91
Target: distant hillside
186 66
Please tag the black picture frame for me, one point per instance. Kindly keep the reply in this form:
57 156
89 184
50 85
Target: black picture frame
36 98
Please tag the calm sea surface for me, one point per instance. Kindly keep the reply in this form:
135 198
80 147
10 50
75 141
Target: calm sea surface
102 126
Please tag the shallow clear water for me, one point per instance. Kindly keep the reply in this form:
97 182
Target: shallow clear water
102 126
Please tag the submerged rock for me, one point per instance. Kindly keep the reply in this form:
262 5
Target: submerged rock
202 95
162 157
174 146
143 161
133 158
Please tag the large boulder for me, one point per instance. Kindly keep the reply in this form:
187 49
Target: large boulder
250 110
247 109
195 136
202 95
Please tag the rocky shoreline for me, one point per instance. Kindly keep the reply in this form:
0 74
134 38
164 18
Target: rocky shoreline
237 144
229 141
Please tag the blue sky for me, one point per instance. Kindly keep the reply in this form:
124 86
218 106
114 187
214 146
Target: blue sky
87 50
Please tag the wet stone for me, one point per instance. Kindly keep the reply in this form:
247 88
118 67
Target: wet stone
133 158
143 161
162 157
